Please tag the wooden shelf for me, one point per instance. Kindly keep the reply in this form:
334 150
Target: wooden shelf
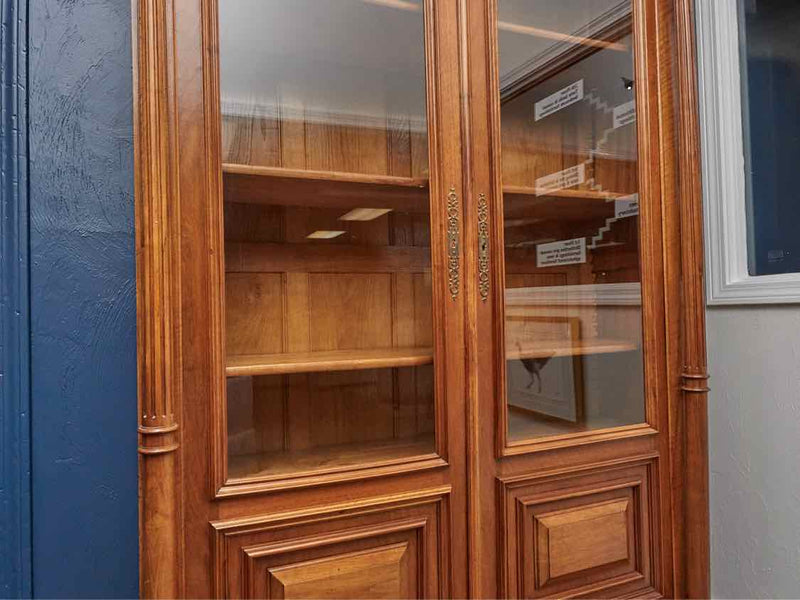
519 190
335 360
233 171
560 205
338 189
329 458
326 176
550 348
387 358
334 189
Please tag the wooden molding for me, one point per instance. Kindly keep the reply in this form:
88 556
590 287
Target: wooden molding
618 497
693 349
158 301
420 514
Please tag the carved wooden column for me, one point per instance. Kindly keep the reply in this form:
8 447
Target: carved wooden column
695 374
158 298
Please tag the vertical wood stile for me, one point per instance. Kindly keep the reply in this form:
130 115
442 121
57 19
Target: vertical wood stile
157 276
695 375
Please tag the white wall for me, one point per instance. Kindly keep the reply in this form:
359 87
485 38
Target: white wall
754 445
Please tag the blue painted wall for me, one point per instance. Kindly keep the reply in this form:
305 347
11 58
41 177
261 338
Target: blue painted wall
15 514
83 309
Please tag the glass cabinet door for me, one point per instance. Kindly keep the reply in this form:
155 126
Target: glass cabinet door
573 311
328 287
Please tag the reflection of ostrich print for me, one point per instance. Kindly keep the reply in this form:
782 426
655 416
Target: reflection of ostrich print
534 366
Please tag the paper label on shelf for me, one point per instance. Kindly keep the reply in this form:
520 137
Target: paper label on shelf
624 114
563 179
564 252
561 99
627 206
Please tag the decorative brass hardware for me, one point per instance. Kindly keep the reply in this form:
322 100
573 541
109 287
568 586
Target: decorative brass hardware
452 243
483 247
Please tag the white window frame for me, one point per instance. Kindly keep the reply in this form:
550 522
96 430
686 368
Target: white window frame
723 164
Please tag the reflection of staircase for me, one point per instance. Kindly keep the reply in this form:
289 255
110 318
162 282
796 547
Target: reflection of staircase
601 105
597 238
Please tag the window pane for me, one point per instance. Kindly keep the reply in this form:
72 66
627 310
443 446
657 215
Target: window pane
327 235
771 117
570 194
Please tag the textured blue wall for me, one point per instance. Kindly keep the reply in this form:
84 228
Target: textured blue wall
15 514
83 309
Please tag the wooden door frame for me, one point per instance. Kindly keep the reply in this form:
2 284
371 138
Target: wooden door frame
159 303
178 241
684 423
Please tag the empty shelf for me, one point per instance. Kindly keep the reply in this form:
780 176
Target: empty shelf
550 348
334 360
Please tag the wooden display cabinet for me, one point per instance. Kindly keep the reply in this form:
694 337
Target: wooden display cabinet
419 310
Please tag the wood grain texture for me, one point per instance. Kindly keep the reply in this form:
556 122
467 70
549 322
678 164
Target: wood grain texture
380 572
326 189
326 258
554 348
411 295
158 302
695 370
382 547
353 360
587 532
582 538
287 512
317 460
659 236
327 360
351 308
254 315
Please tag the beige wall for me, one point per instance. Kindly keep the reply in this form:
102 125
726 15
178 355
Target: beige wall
754 445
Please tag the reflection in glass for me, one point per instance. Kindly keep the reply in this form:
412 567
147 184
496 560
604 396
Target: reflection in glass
770 78
571 224
327 235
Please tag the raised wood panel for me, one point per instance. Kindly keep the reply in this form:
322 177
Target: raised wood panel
577 539
590 532
381 572
390 547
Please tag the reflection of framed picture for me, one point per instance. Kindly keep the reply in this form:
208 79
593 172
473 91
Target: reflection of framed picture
545 373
